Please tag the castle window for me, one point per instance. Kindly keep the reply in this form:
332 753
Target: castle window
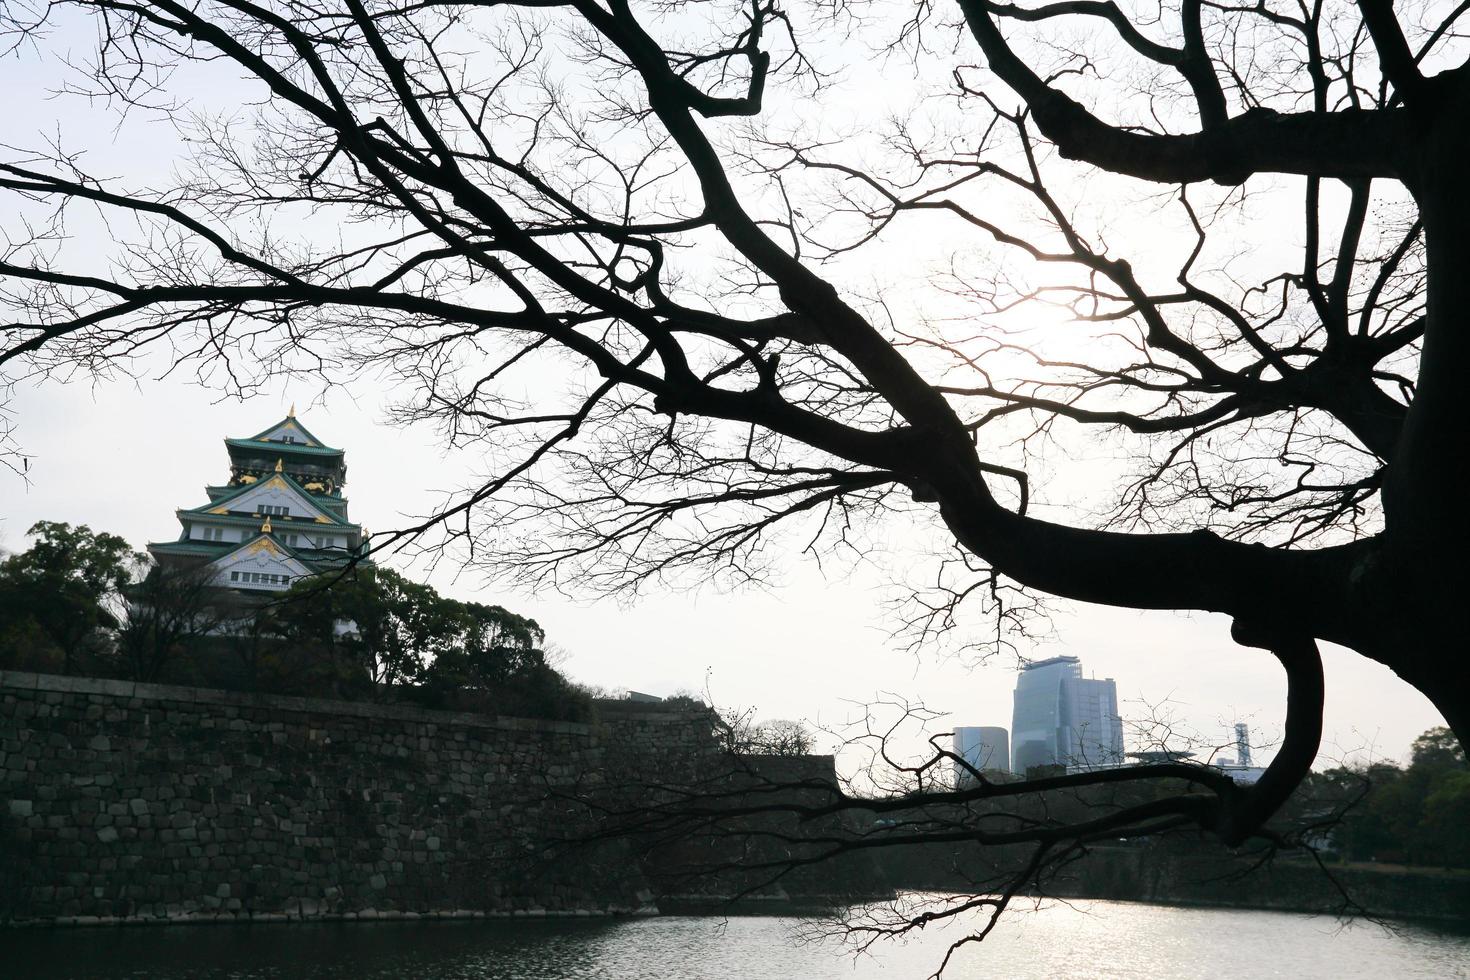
234 576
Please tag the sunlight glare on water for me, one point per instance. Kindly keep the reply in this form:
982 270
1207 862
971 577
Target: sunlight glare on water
1086 939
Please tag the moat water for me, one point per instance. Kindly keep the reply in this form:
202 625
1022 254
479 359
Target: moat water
1082 940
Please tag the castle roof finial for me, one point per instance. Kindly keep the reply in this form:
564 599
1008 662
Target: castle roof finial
266 527
292 413
279 465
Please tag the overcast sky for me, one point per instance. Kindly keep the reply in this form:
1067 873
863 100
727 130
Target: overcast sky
121 456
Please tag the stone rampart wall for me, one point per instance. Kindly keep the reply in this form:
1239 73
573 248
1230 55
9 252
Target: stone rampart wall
138 802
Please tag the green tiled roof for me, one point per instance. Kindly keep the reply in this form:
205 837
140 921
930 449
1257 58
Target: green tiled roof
317 559
204 509
281 448
193 547
278 521
294 421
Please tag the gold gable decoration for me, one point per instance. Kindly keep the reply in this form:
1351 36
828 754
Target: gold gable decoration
280 466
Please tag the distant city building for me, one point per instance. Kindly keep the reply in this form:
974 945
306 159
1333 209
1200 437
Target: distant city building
1239 768
983 748
280 517
1242 743
1064 719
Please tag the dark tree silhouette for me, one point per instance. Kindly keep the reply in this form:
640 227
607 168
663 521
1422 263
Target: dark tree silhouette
567 231
171 613
63 597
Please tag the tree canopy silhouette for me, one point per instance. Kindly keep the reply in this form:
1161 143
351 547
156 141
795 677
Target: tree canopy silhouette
605 243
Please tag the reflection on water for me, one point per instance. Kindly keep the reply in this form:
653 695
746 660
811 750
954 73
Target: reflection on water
1086 939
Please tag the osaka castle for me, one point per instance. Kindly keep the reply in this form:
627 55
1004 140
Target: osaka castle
280 517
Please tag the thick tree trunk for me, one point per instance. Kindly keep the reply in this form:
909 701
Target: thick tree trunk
1438 669
1427 486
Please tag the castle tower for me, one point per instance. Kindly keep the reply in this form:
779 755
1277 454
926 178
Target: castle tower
280 517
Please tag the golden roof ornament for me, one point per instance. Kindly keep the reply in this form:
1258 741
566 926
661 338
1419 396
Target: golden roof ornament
292 414
266 527
279 465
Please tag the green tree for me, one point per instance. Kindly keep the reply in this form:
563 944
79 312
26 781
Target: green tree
62 599
347 635
485 647
1443 828
1437 750
493 660
1415 815
1377 829
373 632
1434 786
394 627
170 614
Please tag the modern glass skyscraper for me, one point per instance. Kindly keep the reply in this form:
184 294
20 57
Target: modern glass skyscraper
1064 719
